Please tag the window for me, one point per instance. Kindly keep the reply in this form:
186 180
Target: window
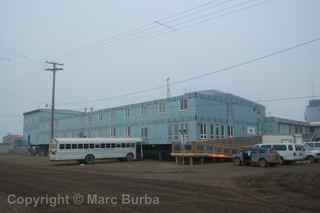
113 115
169 132
68 146
290 147
128 131
183 102
113 132
128 144
61 146
74 146
280 147
299 148
126 113
211 131
144 132
317 145
91 146
108 145
143 109
217 131
113 145
86 146
100 116
80 146
176 132
230 131
123 145
103 145
118 145
184 128
162 107
203 131
266 147
222 131
97 145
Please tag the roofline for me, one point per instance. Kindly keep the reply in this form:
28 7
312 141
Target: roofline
48 110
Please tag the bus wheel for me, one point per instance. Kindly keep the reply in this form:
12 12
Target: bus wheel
130 157
263 163
89 159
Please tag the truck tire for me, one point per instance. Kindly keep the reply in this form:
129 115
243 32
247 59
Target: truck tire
237 162
263 163
130 157
89 159
281 161
311 159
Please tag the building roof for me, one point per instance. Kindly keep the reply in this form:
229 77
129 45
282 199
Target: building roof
67 111
287 121
213 92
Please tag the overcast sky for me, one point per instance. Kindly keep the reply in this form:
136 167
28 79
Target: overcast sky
101 63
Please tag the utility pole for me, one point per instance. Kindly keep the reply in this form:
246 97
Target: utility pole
54 69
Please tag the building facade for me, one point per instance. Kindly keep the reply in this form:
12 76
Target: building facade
312 113
198 115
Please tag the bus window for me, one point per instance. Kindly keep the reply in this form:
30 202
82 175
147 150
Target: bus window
86 146
108 145
123 145
103 145
91 145
68 146
61 146
97 145
113 145
128 145
290 147
118 145
280 147
80 146
133 145
265 146
74 146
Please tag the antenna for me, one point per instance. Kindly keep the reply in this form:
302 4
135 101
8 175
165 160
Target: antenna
168 87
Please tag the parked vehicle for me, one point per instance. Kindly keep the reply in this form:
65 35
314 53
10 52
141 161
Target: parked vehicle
315 145
312 151
289 152
257 156
88 149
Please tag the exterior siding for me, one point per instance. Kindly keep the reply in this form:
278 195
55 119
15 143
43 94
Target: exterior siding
160 119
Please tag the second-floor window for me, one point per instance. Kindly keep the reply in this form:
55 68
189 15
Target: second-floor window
162 107
183 103
126 113
100 116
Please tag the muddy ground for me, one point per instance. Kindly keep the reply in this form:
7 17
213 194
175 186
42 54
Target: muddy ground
213 187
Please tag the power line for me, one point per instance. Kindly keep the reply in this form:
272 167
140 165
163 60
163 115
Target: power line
210 16
225 69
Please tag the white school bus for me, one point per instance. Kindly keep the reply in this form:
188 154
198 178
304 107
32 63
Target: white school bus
86 150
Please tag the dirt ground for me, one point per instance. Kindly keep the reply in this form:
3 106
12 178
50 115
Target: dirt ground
212 187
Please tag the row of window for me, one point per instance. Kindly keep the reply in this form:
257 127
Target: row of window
161 107
112 132
216 131
96 146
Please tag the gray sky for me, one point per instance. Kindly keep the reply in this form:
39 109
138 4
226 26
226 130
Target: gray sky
76 33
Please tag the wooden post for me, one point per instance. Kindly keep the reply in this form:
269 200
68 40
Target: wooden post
201 160
176 160
191 161
182 159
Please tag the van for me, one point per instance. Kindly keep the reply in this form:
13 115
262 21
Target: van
288 152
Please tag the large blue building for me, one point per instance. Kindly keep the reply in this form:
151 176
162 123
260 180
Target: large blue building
206 114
